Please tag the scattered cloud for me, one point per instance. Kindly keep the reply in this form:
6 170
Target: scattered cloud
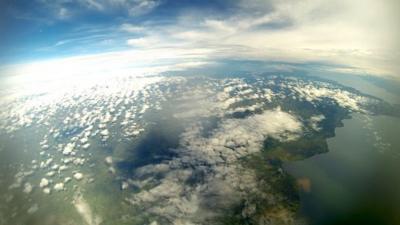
214 159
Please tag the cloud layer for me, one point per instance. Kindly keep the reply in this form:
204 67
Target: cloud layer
360 36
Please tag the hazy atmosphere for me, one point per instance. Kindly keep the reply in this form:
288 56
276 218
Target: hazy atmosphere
359 36
199 112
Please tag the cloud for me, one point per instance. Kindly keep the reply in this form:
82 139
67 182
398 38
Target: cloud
144 42
141 7
339 32
211 162
63 13
33 75
131 28
359 34
205 175
133 7
93 4
63 9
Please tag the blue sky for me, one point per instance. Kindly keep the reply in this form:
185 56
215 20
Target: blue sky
361 35
46 29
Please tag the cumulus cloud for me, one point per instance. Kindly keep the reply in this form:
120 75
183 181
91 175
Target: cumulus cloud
205 175
246 135
211 163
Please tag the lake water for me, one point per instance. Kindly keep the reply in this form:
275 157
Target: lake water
357 181
361 84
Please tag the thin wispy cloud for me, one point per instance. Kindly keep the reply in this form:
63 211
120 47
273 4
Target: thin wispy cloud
131 28
337 32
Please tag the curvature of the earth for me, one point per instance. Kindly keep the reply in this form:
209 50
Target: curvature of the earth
167 149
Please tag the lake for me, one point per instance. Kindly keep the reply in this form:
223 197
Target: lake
357 181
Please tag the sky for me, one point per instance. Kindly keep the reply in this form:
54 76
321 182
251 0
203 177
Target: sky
124 36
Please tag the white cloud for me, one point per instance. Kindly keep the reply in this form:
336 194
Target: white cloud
131 28
93 4
361 34
63 9
144 42
140 7
341 32
42 76
215 158
64 13
315 120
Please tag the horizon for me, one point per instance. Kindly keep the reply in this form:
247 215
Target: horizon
357 37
